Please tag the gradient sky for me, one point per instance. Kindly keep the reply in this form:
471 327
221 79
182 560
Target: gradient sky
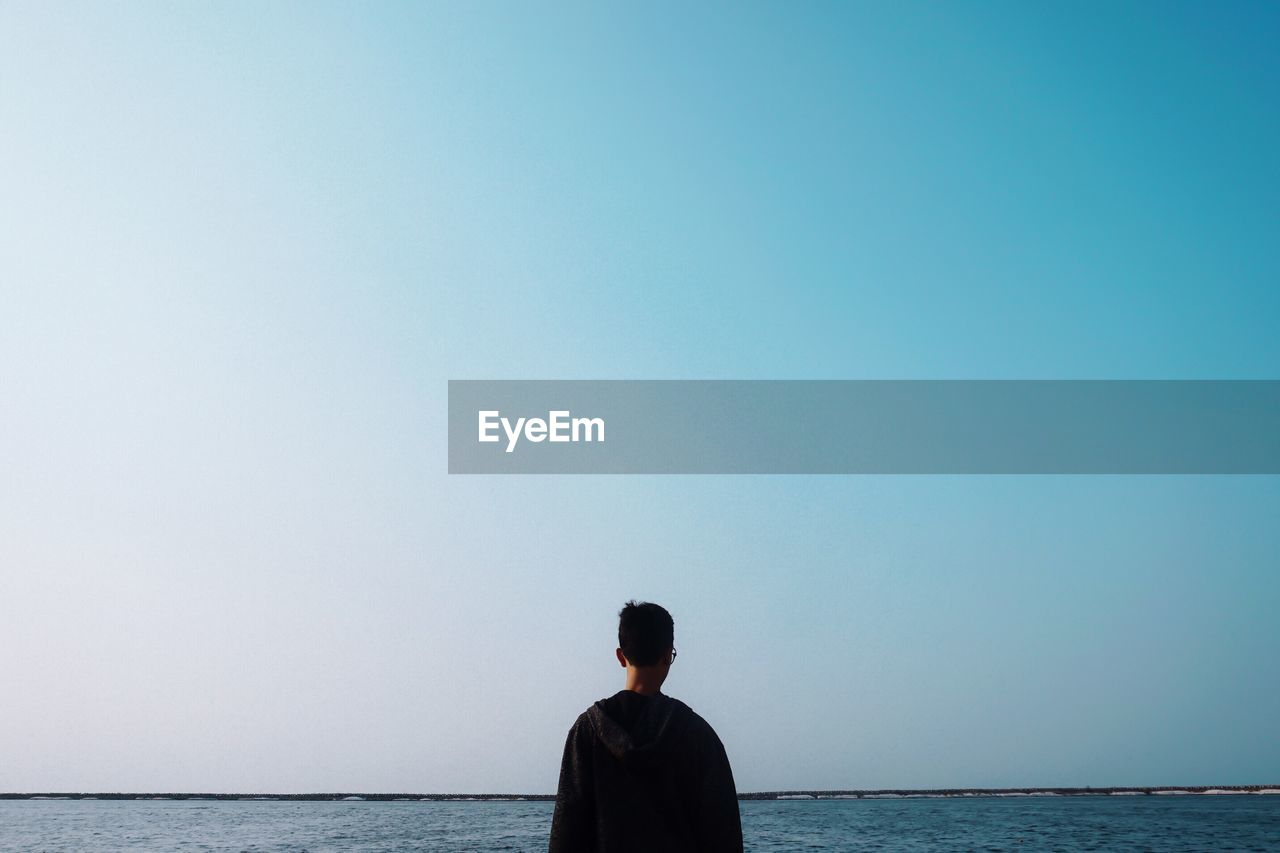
243 247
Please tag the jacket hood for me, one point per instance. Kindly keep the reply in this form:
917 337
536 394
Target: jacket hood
648 737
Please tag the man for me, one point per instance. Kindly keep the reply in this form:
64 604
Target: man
641 771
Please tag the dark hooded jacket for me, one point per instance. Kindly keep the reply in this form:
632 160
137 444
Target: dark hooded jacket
646 774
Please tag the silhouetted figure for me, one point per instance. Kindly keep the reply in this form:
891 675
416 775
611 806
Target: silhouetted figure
641 771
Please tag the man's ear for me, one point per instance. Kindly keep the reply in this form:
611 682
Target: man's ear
622 659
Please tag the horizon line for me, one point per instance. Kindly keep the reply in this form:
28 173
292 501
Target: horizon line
805 793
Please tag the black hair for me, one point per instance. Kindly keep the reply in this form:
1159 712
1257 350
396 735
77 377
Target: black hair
646 632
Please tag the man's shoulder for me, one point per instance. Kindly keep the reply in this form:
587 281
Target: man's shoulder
695 722
586 721
583 720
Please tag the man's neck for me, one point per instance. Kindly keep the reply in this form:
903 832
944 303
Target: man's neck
644 680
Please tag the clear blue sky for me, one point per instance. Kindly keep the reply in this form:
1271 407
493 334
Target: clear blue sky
245 245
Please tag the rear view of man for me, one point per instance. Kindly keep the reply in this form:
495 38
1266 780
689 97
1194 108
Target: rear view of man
641 771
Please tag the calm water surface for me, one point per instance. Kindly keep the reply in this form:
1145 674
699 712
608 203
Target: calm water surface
1192 823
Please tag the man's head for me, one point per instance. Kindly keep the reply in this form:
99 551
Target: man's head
646 644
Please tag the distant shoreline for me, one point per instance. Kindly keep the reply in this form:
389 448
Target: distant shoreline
877 794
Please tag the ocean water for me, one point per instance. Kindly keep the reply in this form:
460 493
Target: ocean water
1163 823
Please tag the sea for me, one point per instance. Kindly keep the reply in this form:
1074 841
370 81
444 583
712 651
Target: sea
1064 823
